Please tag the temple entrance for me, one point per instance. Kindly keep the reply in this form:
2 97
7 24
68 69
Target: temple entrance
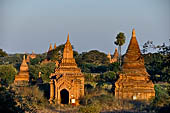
64 94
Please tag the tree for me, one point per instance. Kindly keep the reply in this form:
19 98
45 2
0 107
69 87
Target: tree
3 53
7 73
45 69
120 40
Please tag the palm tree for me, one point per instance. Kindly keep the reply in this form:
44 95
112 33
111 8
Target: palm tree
120 40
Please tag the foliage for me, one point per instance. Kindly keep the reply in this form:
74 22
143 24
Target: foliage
32 94
93 57
39 58
11 59
7 73
108 77
157 64
158 67
7 102
120 40
3 53
162 97
92 108
45 69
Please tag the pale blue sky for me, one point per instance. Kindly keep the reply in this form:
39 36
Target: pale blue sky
27 25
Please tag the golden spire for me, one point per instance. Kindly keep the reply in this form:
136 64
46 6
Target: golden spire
133 33
116 54
68 37
55 46
50 48
24 66
133 57
68 51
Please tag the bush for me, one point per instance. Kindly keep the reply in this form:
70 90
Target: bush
7 102
45 69
33 95
7 73
92 108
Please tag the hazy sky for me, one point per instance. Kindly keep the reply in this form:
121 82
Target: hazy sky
27 25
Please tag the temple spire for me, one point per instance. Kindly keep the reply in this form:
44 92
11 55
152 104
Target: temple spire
134 46
68 51
68 37
133 33
50 48
55 46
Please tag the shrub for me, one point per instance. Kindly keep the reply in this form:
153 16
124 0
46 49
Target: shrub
7 73
92 108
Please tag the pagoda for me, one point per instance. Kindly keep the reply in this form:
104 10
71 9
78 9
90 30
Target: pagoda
23 75
134 82
67 83
115 56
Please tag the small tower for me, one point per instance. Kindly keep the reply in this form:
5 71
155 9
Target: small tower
115 56
23 75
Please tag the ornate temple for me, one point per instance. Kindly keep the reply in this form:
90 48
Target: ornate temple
134 82
23 75
115 57
67 83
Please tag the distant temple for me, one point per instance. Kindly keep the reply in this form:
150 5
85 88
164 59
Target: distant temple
67 83
134 82
51 48
23 75
45 61
115 57
32 56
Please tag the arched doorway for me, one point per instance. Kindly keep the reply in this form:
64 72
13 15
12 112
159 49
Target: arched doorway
64 94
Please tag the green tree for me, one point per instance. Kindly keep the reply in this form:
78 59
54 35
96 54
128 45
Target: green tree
45 69
7 73
95 57
120 40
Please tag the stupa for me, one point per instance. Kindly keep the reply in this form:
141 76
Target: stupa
67 83
32 56
23 75
134 82
115 56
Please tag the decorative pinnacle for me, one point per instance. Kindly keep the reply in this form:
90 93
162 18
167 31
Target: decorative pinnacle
133 33
68 37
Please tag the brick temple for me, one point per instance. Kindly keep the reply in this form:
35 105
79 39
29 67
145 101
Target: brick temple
23 75
115 56
134 82
67 83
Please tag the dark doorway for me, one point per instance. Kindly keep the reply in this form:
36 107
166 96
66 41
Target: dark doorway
64 96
